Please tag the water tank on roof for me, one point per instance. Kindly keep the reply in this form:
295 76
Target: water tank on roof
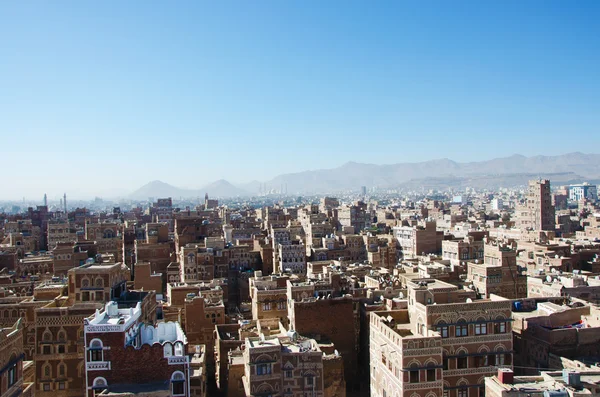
572 378
556 393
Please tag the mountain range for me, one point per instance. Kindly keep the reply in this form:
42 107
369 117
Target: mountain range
499 172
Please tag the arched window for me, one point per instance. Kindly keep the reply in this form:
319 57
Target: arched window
461 328
179 349
167 350
62 336
47 371
96 350
414 373
481 326
85 283
178 383
99 383
62 370
442 329
99 282
47 336
12 370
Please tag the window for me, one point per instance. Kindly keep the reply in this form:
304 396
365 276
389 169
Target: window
179 349
46 386
61 349
446 394
46 349
462 362
96 350
62 370
443 330
289 373
500 360
414 374
481 392
500 328
430 374
178 383
281 305
481 329
61 386
445 363
47 372
463 393
383 359
267 306
310 381
482 361
462 328
12 371
167 350
263 369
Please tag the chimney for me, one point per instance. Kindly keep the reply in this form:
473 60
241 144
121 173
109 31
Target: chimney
505 376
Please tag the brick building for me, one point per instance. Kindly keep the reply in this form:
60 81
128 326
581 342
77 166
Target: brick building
115 338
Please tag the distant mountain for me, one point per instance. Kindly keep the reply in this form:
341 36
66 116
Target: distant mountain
158 189
222 188
352 175
500 172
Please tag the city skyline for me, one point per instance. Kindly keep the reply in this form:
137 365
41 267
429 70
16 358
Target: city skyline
439 174
112 92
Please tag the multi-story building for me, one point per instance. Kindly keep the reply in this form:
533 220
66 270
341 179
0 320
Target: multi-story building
585 191
469 248
404 361
497 273
107 236
475 334
12 363
269 297
356 215
60 231
538 212
419 239
115 338
292 257
275 365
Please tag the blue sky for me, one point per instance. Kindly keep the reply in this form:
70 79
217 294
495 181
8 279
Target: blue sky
98 98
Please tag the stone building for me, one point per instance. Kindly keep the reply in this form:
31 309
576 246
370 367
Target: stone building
403 361
498 273
419 239
12 364
476 335
275 365
537 213
269 297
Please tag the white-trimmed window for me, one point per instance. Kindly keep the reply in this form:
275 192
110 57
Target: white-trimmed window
480 329
96 350
99 385
167 350
178 384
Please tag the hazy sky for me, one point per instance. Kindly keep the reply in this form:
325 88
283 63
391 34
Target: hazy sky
100 97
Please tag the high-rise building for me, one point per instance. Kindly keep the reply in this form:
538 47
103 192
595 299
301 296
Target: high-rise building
538 212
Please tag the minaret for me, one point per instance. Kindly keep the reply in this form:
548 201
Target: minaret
65 204
45 200
206 198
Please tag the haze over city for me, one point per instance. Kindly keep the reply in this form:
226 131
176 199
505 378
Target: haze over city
300 198
102 98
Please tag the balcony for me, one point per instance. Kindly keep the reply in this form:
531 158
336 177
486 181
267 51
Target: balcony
98 366
176 360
